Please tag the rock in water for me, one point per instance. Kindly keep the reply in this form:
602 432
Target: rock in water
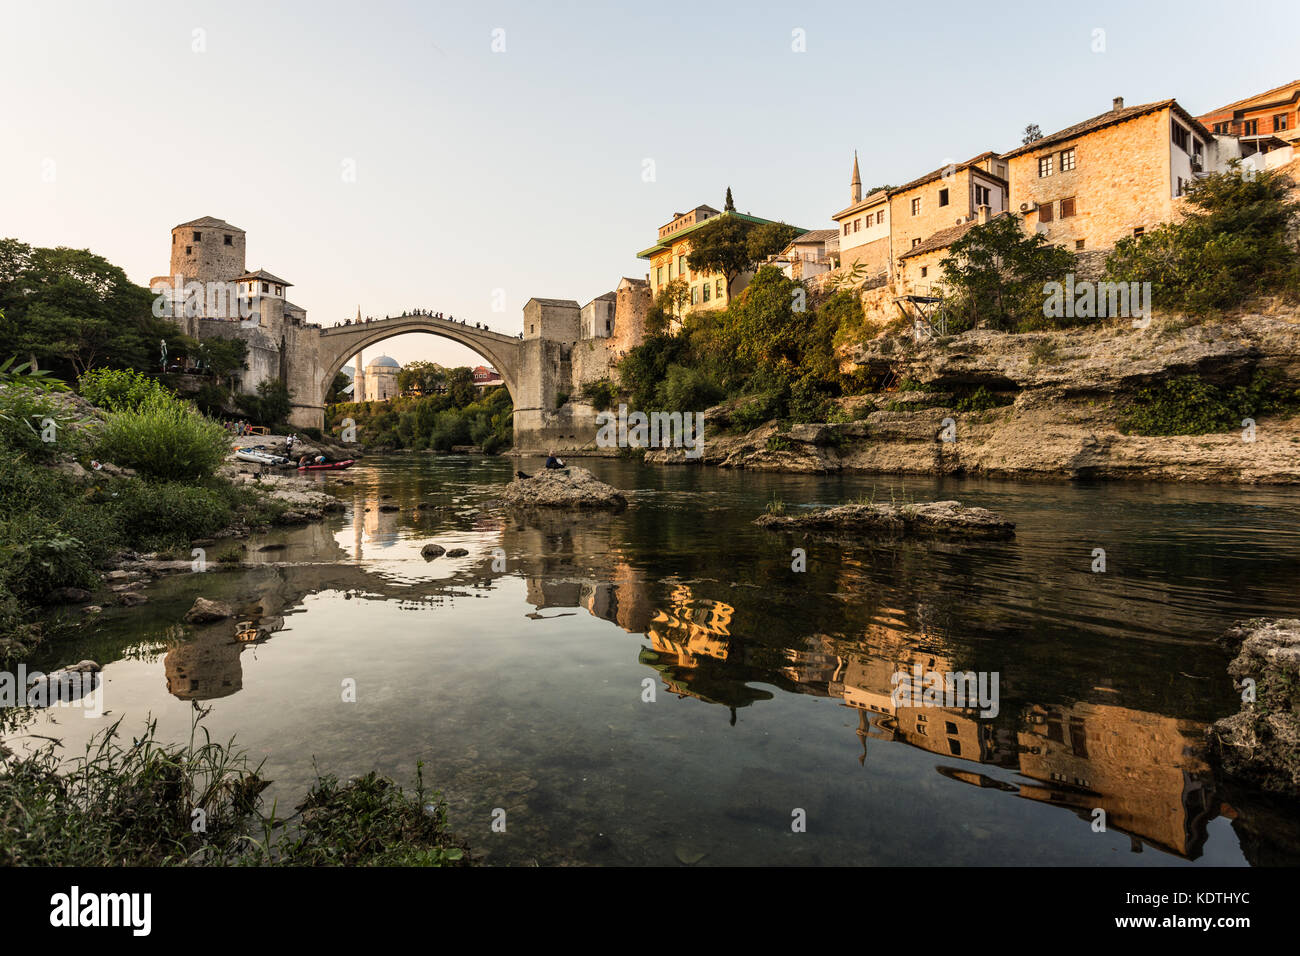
570 487
205 612
430 551
457 553
942 518
1260 744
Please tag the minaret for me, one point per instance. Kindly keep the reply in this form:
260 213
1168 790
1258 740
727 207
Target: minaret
358 372
855 187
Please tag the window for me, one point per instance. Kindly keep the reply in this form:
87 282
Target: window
925 270
229 240
695 295
1138 230
1222 128
1045 212
1078 244
846 229
706 289
857 225
1197 148
1279 122
1044 166
681 265
1182 139
916 242
982 196
189 250
659 275
264 287
943 197
1250 127
1067 207
670 272
916 206
198 237
280 291
880 217
1067 159
718 295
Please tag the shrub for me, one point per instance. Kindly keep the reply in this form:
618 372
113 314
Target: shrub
164 438
37 558
270 406
687 389
1234 242
27 403
118 390
1187 405
601 393
756 410
154 515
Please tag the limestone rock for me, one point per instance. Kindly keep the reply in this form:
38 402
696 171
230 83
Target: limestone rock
430 551
205 611
1260 744
571 487
944 518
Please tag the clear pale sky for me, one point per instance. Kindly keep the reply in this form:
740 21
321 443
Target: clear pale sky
522 170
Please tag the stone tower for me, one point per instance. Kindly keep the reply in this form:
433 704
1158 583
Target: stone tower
207 250
855 187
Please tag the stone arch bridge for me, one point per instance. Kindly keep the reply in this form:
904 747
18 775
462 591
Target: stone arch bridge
528 368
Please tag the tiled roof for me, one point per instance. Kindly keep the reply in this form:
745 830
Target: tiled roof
540 301
263 274
816 235
208 222
937 173
944 237
1294 84
1110 118
871 200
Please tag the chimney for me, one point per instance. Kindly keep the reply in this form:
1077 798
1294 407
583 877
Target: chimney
1117 104
984 214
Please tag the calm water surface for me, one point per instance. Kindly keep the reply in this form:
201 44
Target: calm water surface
520 675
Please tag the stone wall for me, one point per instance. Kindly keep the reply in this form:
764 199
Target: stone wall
208 259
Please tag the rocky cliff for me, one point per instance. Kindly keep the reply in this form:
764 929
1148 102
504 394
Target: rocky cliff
1064 393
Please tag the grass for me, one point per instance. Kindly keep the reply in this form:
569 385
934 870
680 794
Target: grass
147 803
776 506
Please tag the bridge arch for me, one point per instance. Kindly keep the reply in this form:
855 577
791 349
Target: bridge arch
340 343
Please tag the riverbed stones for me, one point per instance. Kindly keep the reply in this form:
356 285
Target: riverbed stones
457 553
431 551
205 612
67 596
1260 744
943 518
131 599
571 487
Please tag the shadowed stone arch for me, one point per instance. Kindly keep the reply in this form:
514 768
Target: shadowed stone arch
340 343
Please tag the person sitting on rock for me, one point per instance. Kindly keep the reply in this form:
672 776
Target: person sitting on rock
552 461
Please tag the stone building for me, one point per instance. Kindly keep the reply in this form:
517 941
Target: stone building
1117 174
381 379
668 259
949 196
210 293
863 228
811 254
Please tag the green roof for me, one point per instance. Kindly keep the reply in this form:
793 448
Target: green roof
666 243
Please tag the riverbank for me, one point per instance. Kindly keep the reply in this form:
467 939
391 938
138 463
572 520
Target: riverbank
1050 405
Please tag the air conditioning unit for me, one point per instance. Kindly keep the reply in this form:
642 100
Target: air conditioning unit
1028 206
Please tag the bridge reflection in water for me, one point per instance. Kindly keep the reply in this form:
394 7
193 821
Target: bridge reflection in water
1144 769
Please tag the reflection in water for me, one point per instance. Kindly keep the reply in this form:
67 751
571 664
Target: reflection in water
1107 685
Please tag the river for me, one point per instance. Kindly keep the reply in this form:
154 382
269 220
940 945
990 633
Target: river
661 685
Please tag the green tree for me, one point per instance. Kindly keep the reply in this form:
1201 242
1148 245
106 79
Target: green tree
730 204
1235 241
336 393
423 378
996 272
